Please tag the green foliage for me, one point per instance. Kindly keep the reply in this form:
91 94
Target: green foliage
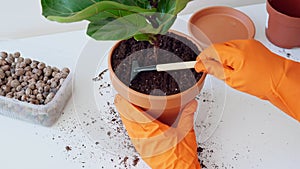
117 19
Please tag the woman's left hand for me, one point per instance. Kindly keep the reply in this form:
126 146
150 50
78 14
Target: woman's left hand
160 145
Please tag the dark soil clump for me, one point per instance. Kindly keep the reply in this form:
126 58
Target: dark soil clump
167 48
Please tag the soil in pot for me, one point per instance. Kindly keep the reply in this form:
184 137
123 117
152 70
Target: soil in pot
167 48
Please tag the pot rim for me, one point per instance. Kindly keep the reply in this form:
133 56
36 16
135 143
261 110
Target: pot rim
292 18
153 97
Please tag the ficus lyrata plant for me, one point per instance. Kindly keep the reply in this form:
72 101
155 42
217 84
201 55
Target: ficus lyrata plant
117 19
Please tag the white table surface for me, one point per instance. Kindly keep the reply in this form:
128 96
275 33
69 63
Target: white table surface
251 134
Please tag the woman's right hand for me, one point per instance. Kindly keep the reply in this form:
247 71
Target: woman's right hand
248 66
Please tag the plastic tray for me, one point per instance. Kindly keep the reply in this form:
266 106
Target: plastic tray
45 115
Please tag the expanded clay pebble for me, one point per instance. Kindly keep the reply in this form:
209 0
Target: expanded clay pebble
29 80
2 74
14 83
16 54
3 55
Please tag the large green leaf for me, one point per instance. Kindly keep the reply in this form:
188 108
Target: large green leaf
109 14
71 7
95 9
120 28
64 7
172 7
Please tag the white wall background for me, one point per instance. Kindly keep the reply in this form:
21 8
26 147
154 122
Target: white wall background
22 18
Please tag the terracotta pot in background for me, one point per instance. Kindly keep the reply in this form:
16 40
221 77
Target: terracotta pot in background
164 108
283 25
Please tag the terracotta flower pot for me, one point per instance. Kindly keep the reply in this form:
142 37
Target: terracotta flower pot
283 27
164 108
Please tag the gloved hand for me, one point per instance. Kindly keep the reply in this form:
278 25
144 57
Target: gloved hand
248 66
161 146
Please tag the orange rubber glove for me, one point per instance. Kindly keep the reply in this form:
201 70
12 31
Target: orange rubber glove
248 66
161 146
